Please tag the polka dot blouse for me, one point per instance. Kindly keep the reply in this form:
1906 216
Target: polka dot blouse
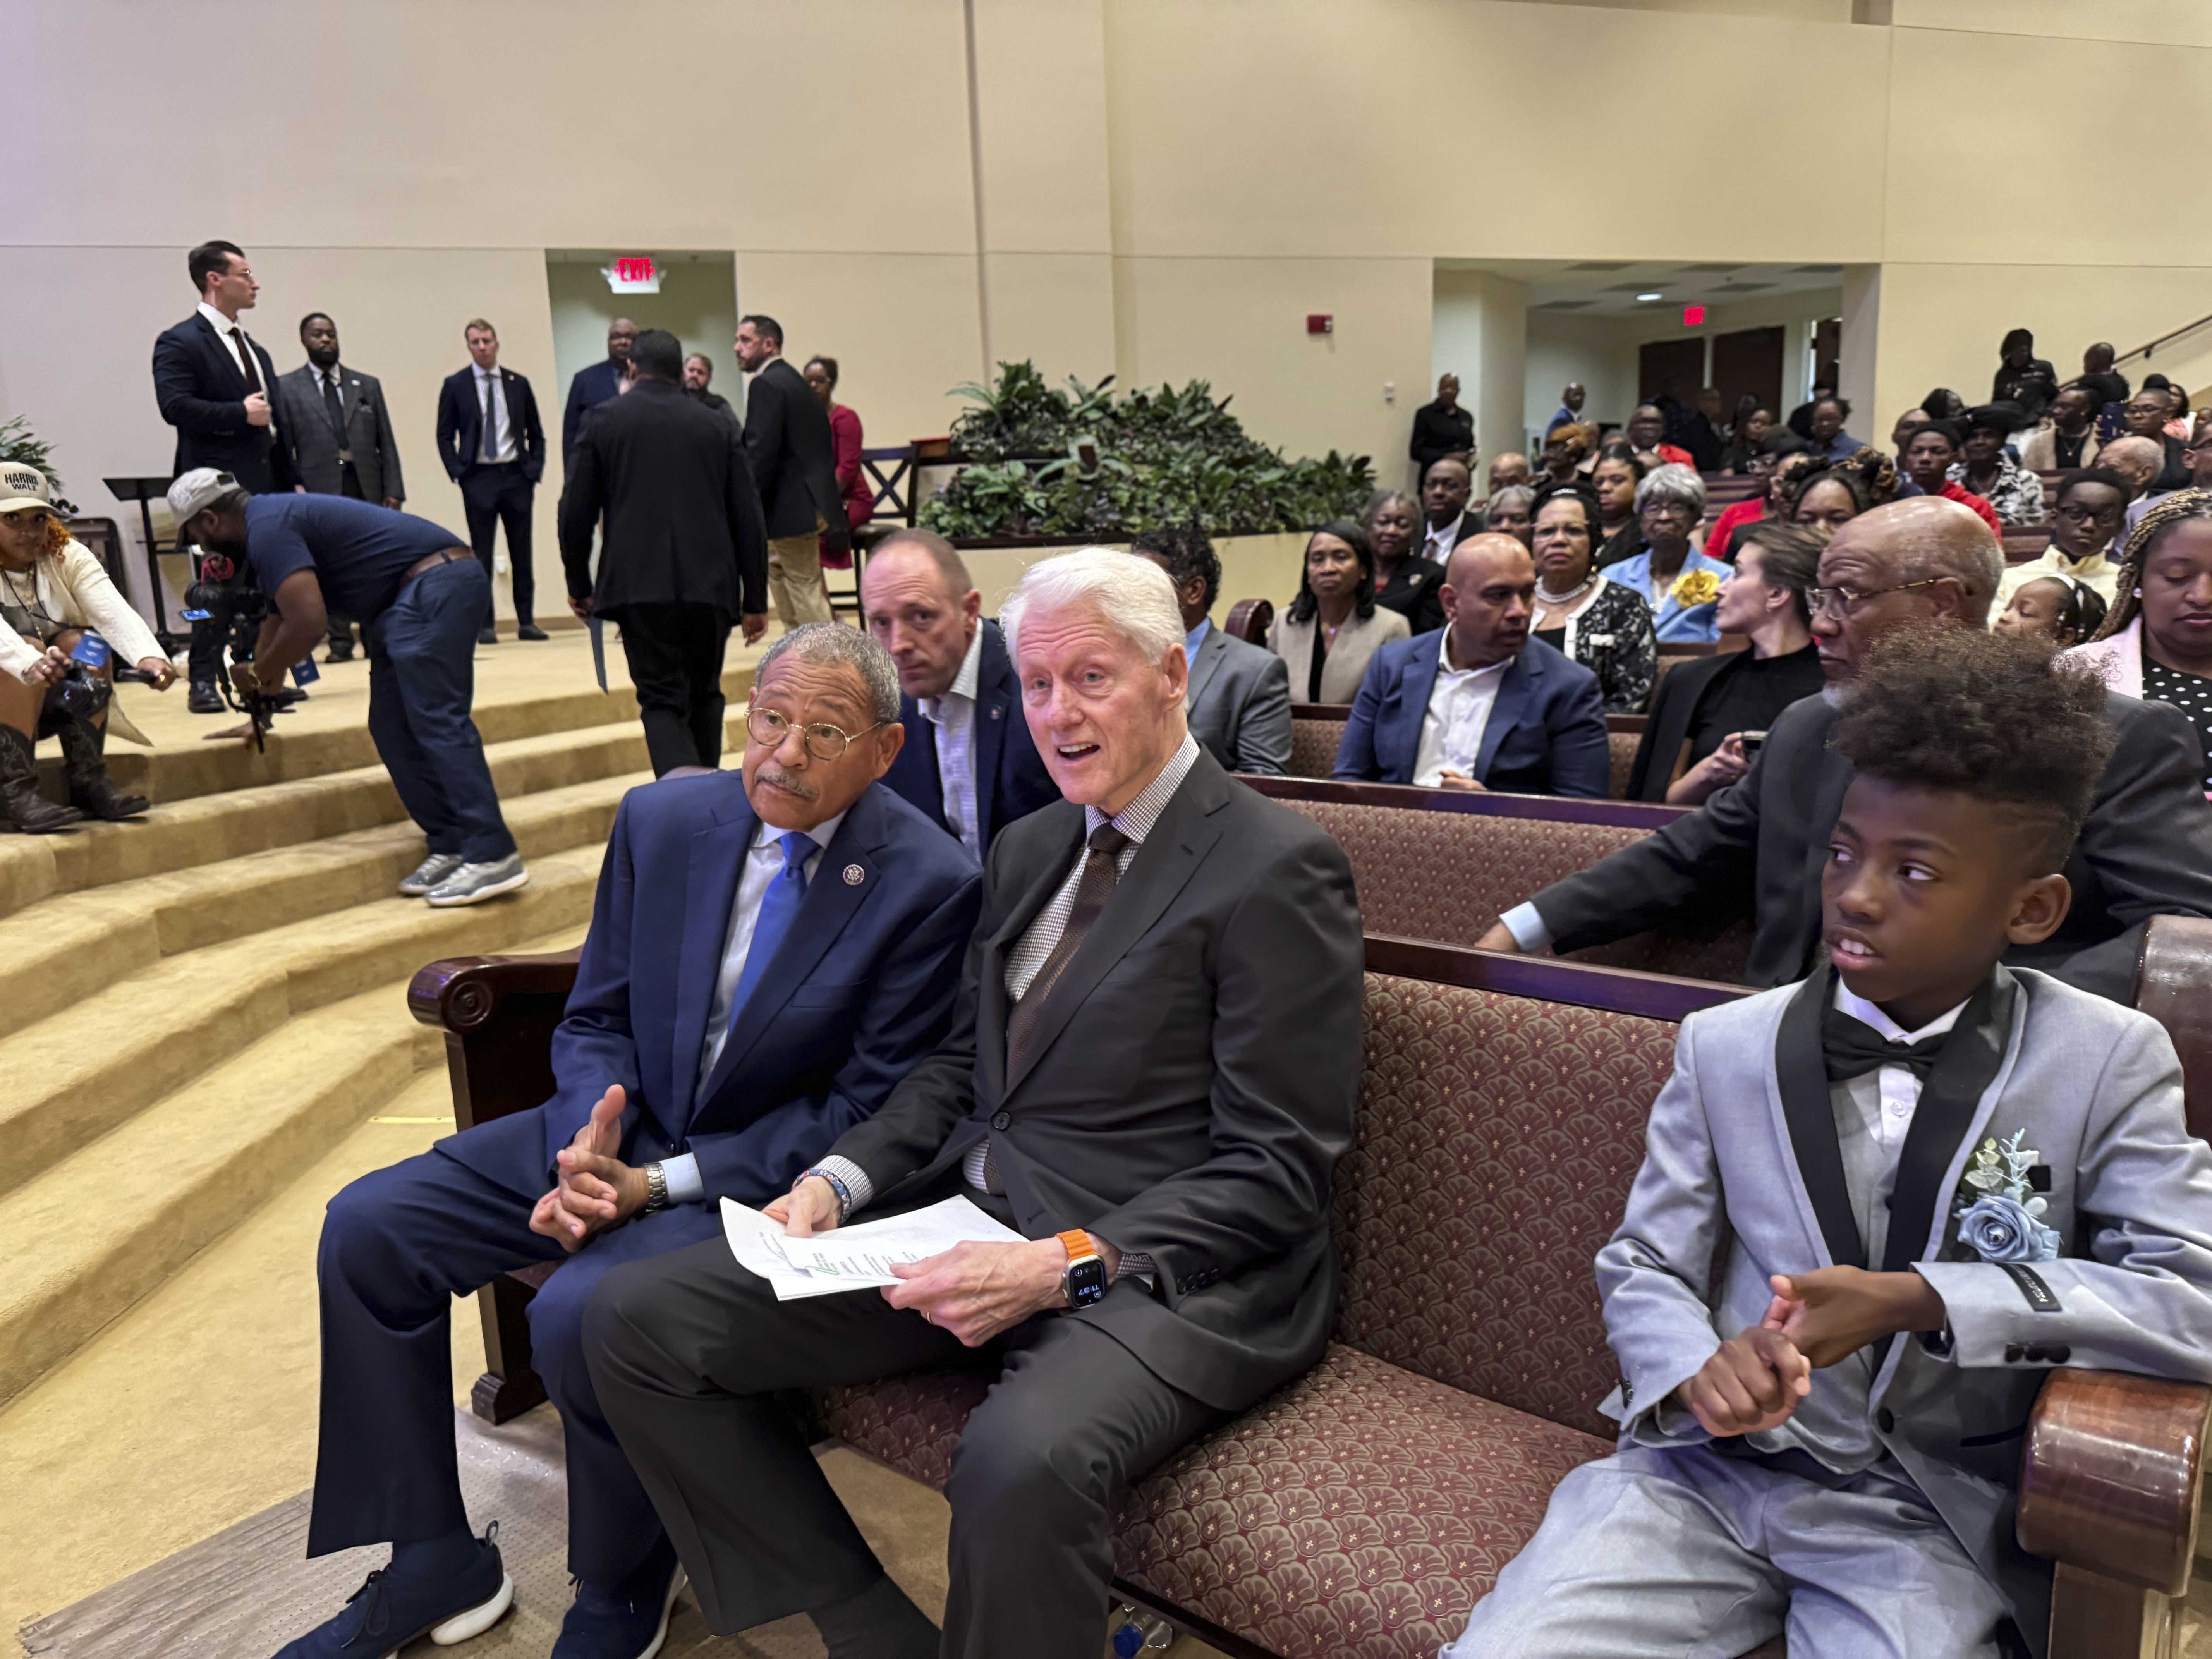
2191 693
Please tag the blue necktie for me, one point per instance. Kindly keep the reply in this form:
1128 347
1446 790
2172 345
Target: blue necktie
779 909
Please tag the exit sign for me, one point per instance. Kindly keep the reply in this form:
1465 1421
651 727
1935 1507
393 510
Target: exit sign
1692 315
634 274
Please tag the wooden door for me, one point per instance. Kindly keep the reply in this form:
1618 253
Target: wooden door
1680 360
1748 363
1828 350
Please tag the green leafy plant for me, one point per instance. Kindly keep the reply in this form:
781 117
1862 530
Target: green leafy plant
19 443
1084 461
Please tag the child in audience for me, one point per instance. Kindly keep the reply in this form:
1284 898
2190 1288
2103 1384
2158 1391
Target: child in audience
1936 1176
2064 610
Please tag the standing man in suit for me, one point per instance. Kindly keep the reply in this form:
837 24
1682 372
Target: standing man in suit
596 385
1151 1075
338 436
213 383
494 446
768 954
1477 704
684 554
1758 846
1239 701
970 762
1446 488
698 384
795 460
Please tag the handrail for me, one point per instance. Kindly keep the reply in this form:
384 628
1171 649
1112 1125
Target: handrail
2144 351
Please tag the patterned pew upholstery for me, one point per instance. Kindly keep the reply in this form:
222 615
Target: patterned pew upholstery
1314 744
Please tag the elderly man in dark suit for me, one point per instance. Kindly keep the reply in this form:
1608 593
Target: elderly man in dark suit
597 385
768 954
214 384
1239 701
1759 846
970 762
795 460
1477 704
1151 1075
493 445
338 435
682 549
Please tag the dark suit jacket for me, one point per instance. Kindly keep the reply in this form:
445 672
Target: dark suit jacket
591 387
860 988
203 395
460 424
1190 1086
794 457
1011 780
1239 704
2146 850
683 522
313 443
1546 735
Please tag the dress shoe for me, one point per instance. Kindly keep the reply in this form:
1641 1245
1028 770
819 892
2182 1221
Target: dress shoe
487 637
205 699
340 653
393 1608
529 631
628 1623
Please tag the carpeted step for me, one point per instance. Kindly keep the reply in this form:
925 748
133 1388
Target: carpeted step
89 1070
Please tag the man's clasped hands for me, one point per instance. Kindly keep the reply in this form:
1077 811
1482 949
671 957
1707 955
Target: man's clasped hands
972 1291
1754 1380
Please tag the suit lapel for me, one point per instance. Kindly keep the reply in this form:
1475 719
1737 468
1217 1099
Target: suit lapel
1414 690
1517 689
1950 1105
995 706
718 858
1210 651
1042 882
1801 1071
222 349
1831 778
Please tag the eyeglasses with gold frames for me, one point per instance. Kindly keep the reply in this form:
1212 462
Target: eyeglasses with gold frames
823 742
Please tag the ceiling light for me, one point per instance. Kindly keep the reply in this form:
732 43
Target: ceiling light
1651 296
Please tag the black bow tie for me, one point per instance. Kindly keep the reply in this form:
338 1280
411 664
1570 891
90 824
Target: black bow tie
1852 1048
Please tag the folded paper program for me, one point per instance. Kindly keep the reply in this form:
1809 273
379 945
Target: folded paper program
852 1258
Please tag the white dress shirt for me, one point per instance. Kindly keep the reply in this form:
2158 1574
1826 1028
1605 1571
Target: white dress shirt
223 331
1887 1096
763 864
1440 542
502 434
952 721
1459 712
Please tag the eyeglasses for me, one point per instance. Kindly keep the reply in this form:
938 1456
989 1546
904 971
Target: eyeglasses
1848 600
824 742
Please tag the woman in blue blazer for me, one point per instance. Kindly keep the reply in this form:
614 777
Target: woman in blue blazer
1681 584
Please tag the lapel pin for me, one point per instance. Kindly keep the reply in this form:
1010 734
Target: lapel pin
854 875
996 712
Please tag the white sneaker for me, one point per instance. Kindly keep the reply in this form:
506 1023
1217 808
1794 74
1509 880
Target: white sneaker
473 883
431 872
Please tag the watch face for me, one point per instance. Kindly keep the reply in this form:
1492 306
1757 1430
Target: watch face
1085 1281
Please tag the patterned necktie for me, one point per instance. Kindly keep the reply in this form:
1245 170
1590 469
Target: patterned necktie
779 909
332 404
491 434
246 362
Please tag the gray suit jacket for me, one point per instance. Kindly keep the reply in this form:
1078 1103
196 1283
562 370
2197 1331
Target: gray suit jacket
1742 1148
1239 704
305 421
1189 1087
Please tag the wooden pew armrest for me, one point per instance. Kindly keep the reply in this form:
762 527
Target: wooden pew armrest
498 1014
2109 1476
460 994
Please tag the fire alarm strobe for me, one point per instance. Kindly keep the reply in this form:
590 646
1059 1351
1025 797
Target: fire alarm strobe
1320 322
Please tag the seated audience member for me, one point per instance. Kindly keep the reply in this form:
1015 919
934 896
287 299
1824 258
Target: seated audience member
1783 1463
2023 380
1446 488
1157 1102
1944 405
1614 480
1582 616
1712 712
1699 430
2138 461
1645 433
1929 454
1563 448
1680 584
2156 640
1404 582
1238 703
2176 405
1907 423
1478 704
2096 373
1442 428
52 591
2145 416
1508 470
1801 418
1827 438
1833 493
2013 492
2060 609
1752 428
967 763
2196 455
1507 512
2069 438
2146 849
2084 521
1334 626
1766 502
769 953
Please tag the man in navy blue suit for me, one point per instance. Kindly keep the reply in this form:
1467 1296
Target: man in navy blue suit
769 955
494 446
969 762
596 385
1477 704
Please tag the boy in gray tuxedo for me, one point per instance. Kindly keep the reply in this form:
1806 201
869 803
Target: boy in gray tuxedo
1937 1178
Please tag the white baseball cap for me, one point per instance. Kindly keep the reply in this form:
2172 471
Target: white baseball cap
199 488
22 486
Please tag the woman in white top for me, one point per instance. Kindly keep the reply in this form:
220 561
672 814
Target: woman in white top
52 593
1334 626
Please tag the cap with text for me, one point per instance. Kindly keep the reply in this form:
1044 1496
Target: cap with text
22 487
198 489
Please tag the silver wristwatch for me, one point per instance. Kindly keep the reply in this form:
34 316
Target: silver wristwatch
656 1189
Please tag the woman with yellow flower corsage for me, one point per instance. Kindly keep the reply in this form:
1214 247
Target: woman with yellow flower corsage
1681 584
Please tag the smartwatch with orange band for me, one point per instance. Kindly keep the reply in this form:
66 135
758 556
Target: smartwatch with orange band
1082 1281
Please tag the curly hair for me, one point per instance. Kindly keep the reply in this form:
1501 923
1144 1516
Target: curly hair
2159 518
1187 553
1869 477
1987 716
57 536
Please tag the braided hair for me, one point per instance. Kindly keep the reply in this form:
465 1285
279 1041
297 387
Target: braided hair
1869 477
2161 516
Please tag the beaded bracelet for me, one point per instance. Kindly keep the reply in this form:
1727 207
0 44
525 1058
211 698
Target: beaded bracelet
844 1192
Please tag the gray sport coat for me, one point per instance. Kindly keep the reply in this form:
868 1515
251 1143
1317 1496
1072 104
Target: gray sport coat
314 447
1742 1149
1239 704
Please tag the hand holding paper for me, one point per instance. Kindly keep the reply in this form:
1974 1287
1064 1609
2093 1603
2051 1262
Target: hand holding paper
853 1258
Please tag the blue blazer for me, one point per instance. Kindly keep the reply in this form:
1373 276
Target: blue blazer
460 424
859 990
1670 620
203 395
590 387
1545 734
1011 781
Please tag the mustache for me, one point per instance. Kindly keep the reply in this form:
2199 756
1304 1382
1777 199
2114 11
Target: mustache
771 773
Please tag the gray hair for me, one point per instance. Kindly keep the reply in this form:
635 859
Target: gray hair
840 647
1957 544
1520 496
1672 482
1132 596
